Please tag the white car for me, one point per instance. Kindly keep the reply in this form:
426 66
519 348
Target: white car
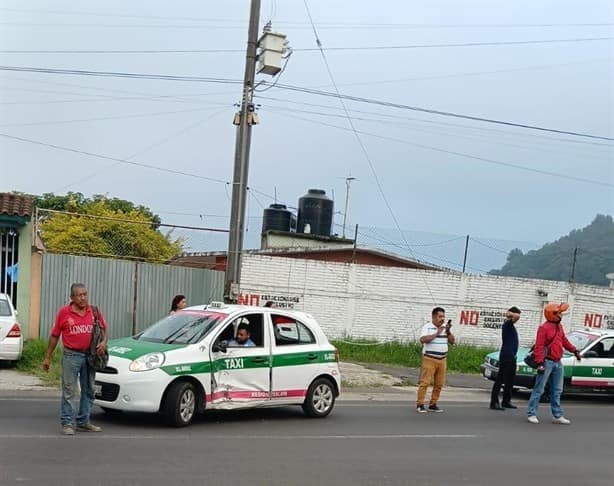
11 339
186 363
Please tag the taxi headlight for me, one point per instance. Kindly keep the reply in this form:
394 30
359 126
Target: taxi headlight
147 362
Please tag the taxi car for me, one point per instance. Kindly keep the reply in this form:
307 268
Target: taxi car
595 372
186 363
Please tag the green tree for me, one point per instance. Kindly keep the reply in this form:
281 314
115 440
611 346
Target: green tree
75 202
593 247
105 227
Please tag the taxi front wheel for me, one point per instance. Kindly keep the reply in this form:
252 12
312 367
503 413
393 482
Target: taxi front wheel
320 398
180 404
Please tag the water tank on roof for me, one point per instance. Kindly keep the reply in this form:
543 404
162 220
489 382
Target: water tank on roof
315 213
278 217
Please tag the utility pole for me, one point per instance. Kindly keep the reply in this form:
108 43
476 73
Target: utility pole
348 181
572 272
466 250
241 165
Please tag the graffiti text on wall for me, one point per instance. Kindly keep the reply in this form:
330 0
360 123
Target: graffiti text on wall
599 321
279 301
483 318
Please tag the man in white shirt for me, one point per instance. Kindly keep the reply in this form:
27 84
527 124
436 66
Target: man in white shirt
435 338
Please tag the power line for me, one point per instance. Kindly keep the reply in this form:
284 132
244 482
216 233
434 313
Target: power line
151 96
115 159
302 90
460 44
147 223
475 240
105 118
322 25
143 150
115 74
473 73
440 112
129 162
360 142
422 129
442 123
120 51
305 49
464 155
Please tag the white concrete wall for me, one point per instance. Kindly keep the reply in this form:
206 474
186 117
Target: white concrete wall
384 303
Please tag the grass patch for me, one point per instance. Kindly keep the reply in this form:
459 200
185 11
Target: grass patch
461 358
31 362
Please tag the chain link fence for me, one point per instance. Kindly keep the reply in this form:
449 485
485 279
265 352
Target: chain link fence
130 237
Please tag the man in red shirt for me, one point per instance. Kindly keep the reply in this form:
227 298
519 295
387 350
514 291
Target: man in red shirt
74 324
549 345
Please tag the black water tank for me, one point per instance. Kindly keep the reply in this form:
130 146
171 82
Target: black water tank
278 218
315 210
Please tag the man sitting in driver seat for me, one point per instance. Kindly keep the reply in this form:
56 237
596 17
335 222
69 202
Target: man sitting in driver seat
242 340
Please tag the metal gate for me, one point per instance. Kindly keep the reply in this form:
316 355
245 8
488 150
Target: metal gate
9 249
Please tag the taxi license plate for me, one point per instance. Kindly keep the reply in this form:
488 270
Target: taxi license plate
97 391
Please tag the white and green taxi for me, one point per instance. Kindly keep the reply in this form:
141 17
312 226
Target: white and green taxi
190 361
594 373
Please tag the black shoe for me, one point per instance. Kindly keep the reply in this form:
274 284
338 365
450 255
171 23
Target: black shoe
496 406
509 405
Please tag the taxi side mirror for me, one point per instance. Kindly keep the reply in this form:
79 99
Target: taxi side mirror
220 347
591 354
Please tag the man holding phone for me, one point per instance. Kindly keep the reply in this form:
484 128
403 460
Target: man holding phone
435 338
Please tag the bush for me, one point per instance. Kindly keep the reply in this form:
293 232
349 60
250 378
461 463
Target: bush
32 360
461 358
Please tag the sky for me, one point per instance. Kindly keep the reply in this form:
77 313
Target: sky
422 180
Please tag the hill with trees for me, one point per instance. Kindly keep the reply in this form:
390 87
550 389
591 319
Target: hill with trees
584 255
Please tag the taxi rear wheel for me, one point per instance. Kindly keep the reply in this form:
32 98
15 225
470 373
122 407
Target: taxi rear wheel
320 398
179 405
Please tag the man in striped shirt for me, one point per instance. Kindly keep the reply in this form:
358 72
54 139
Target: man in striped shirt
435 338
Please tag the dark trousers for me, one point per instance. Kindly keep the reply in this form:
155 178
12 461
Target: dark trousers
505 377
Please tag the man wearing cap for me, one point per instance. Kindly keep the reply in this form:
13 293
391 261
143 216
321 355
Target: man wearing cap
550 343
507 362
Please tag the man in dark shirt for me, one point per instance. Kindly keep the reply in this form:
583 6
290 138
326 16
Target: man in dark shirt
507 362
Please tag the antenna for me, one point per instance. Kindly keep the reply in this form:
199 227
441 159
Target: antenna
348 181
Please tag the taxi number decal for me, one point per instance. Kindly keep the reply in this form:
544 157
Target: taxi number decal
233 363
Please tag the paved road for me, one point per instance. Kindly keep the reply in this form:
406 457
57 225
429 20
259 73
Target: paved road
361 443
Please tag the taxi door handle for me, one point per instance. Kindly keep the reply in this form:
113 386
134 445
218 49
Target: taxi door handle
259 360
312 356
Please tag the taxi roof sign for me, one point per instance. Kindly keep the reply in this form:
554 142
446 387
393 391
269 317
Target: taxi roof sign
216 305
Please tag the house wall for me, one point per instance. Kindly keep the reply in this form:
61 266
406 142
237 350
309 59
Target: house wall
386 303
24 276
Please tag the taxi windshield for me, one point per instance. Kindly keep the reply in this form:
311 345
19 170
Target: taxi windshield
184 327
580 339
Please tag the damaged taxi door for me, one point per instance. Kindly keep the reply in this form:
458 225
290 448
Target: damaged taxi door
240 374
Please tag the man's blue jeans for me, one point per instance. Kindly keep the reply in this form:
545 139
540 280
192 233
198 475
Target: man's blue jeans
553 374
75 367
